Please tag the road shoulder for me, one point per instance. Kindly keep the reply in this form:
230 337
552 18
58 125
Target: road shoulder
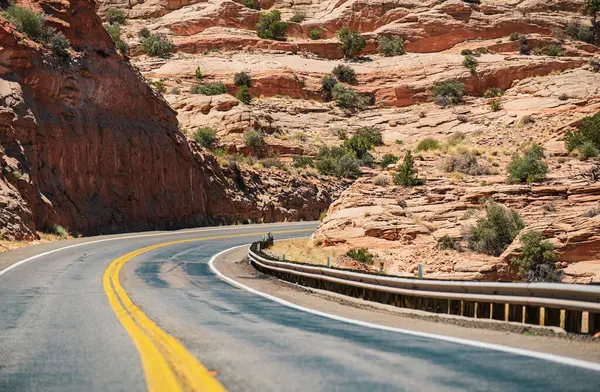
234 265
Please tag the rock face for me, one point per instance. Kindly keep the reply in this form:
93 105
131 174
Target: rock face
402 226
89 146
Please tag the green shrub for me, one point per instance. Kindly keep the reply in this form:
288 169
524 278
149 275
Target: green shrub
389 47
254 139
523 45
242 79
337 161
348 166
588 150
388 159
450 91
270 26
592 212
580 32
470 63
465 161
115 15
363 140
60 231
298 17
252 4
361 255
553 50
328 84
160 86
315 34
482 50
301 162
494 92
157 45
447 243
467 52
495 105
144 33
407 173
588 132
528 167
215 88
352 42
205 137
493 233
244 95
26 21
341 134
60 46
344 74
427 144
537 260
347 98
114 30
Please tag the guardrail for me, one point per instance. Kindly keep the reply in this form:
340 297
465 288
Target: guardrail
575 308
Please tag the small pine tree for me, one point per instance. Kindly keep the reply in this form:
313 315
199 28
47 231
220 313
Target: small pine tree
407 173
198 75
270 26
352 42
244 95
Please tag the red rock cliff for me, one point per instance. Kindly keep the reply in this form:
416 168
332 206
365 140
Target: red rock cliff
90 146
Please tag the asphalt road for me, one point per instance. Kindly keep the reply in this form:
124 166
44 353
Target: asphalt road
58 331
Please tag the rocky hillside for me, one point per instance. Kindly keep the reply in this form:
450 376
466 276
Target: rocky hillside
528 74
241 124
85 143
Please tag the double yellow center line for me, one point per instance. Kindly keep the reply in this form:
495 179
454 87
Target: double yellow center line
168 366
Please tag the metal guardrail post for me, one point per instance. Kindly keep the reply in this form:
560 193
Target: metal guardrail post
420 269
328 261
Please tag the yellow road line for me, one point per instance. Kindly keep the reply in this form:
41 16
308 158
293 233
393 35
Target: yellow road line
168 366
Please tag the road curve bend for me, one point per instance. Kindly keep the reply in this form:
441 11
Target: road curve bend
144 312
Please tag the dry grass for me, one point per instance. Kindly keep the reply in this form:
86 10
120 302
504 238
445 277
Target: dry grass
303 250
6 246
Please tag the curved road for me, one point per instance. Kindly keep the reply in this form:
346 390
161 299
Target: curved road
65 325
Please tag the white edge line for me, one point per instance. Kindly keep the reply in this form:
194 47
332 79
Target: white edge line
473 343
179 232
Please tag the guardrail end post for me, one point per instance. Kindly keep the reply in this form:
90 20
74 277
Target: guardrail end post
283 257
328 261
258 247
420 271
